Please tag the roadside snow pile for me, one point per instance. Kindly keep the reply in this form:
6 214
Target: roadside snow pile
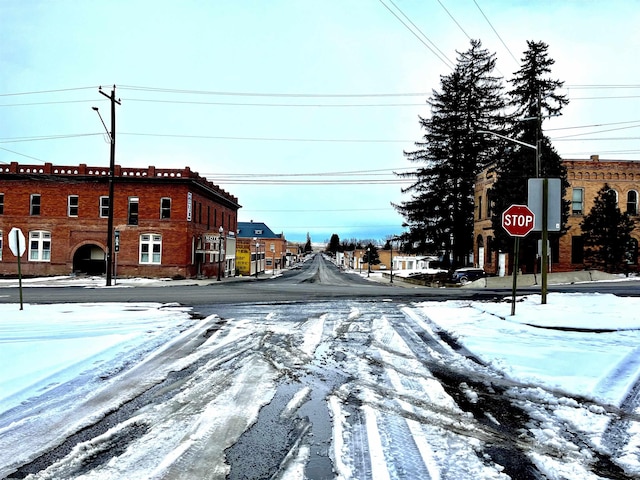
46 345
586 345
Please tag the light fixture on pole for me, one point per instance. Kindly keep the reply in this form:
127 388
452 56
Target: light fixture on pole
221 231
545 210
112 167
368 261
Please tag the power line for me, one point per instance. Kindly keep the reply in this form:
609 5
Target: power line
446 61
271 94
47 91
422 33
269 139
320 210
496 32
454 20
350 172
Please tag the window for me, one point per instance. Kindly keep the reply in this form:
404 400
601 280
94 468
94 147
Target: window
632 202
1 203
39 246
104 207
577 202
480 207
151 248
34 205
133 211
0 245
72 205
165 207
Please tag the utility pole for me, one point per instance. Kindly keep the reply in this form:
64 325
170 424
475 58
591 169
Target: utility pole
112 172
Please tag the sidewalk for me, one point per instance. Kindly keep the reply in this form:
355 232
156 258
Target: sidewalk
97 281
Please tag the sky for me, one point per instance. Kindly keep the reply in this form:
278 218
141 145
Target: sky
301 109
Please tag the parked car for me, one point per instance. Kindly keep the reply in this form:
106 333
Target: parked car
467 274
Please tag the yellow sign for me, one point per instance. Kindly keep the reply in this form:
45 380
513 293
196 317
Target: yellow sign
243 261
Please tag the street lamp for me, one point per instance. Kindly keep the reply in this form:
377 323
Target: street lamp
545 209
368 261
221 230
257 251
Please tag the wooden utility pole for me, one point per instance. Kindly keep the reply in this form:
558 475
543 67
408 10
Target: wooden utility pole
112 172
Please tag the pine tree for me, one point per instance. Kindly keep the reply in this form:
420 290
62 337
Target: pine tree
371 255
607 232
439 214
533 97
334 244
307 247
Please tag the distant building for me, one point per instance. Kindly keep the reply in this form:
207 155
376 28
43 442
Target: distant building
167 221
586 178
260 249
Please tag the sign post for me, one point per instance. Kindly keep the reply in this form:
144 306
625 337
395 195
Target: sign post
518 221
18 245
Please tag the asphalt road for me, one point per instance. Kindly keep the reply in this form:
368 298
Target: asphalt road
317 279
327 365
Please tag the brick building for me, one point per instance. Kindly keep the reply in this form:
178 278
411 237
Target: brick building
586 178
167 221
258 247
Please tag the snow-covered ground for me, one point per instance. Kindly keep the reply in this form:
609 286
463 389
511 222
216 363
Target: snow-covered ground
578 345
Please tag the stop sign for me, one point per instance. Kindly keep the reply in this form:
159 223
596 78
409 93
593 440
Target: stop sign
518 220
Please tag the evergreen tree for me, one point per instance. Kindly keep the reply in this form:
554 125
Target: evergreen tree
439 214
334 244
607 232
307 247
371 254
533 97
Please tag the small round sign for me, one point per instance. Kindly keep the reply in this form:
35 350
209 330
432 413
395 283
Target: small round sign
17 242
518 220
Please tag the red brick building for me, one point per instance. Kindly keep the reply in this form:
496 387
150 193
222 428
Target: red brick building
166 221
586 178
260 248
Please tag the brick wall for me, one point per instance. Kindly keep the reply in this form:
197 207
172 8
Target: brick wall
71 233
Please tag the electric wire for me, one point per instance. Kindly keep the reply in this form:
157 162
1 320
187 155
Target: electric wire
443 60
497 34
422 33
454 20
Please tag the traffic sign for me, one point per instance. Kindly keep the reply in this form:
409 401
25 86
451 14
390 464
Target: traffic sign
17 242
518 220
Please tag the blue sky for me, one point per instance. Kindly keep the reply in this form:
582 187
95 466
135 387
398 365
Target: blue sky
299 108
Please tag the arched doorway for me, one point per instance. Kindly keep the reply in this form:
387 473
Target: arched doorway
89 259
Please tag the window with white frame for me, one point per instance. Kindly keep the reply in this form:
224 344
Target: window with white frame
104 207
39 246
133 210
34 204
72 205
632 202
0 245
151 248
577 201
1 203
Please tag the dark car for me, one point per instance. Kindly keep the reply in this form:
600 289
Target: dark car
467 274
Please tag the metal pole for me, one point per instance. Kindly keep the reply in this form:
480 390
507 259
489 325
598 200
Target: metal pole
516 254
19 267
219 255
545 239
391 244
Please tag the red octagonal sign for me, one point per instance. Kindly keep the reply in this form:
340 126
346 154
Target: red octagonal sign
518 220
